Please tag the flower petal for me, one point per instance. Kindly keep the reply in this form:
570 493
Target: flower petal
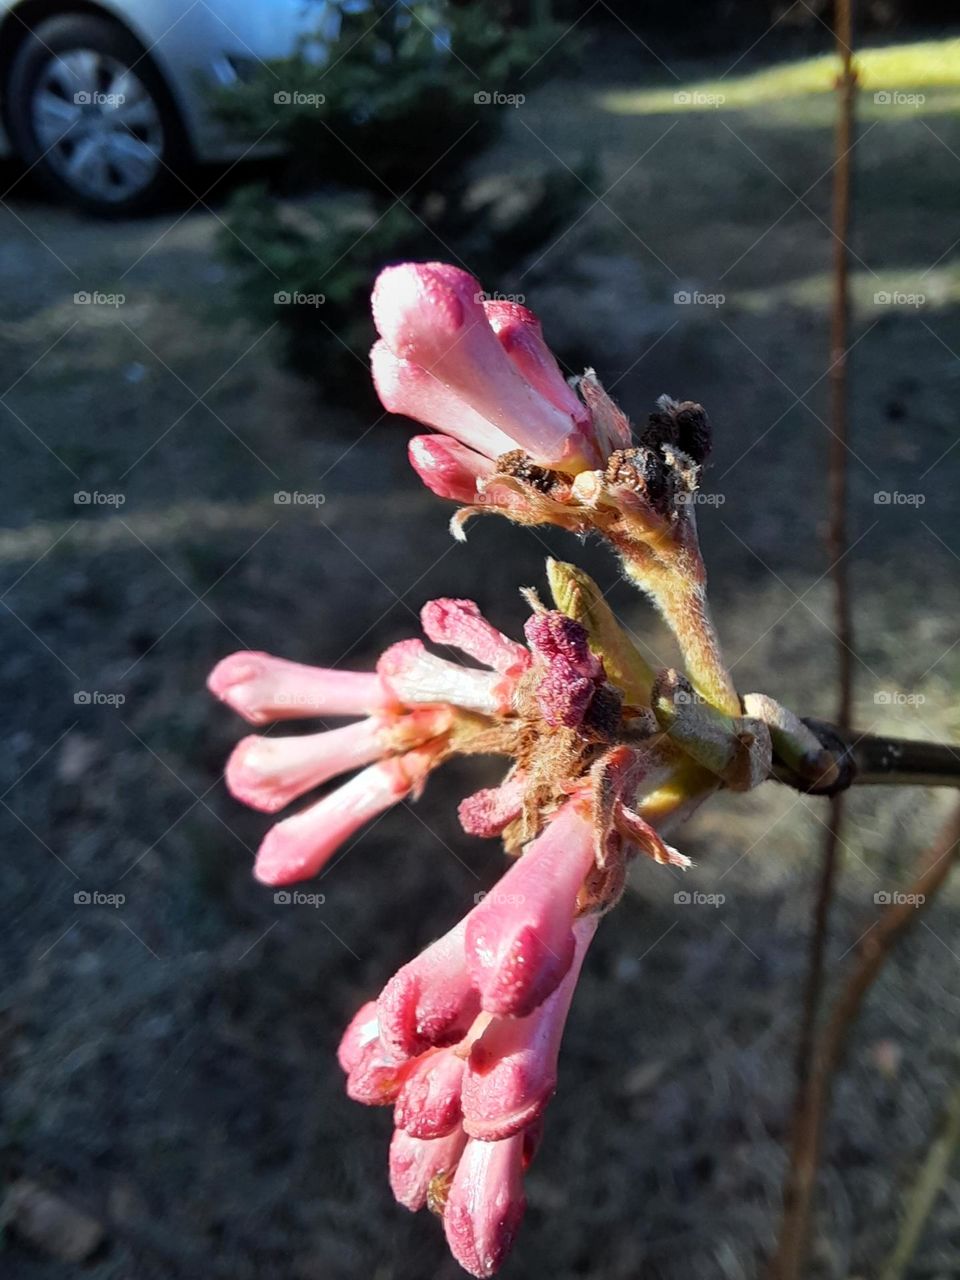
419 1168
431 1000
486 1204
299 846
263 688
431 314
267 773
448 468
461 624
511 1072
519 939
428 1104
415 392
416 675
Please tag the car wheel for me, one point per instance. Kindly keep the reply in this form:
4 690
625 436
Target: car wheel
92 117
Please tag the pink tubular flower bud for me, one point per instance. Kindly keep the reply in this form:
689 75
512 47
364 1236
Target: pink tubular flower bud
519 938
371 1079
407 388
299 846
519 333
416 675
461 624
486 1204
360 1033
430 1001
448 468
431 314
267 773
420 1171
511 1072
428 1104
263 688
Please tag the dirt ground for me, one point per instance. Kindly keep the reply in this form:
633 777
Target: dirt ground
169 1060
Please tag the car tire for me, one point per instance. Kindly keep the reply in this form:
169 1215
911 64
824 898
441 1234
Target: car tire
115 143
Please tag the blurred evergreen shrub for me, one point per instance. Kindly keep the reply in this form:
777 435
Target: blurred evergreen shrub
383 134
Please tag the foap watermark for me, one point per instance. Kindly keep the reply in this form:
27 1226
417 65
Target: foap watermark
94 498
297 898
297 298
898 298
97 298
689 698
500 898
894 698
294 498
294 98
895 898
696 98
308 702
484 296
700 499
897 98
87 98
694 898
96 898
97 698
696 298
494 98
894 498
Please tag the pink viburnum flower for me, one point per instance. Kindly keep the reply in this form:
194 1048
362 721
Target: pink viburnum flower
604 753
476 370
463 1041
512 433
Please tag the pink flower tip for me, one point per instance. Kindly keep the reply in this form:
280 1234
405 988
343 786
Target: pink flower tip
486 1204
448 468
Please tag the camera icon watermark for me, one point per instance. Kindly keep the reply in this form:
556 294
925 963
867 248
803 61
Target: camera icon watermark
294 98
94 498
484 296
494 98
895 898
297 298
696 298
694 898
894 498
297 898
294 498
700 499
897 98
696 98
97 298
87 98
96 698
899 298
894 698
95 898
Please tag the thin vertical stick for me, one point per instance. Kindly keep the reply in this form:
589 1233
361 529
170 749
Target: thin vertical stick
926 1189
790 1260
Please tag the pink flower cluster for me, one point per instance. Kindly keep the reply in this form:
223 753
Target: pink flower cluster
479 372
463 1040
409 707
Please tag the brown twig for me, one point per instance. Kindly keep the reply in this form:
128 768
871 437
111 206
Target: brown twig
789 1263
870 759
926 1189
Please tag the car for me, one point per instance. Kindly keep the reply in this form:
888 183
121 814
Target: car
107 101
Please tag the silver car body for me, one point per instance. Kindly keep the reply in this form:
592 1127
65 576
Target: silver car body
200 43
